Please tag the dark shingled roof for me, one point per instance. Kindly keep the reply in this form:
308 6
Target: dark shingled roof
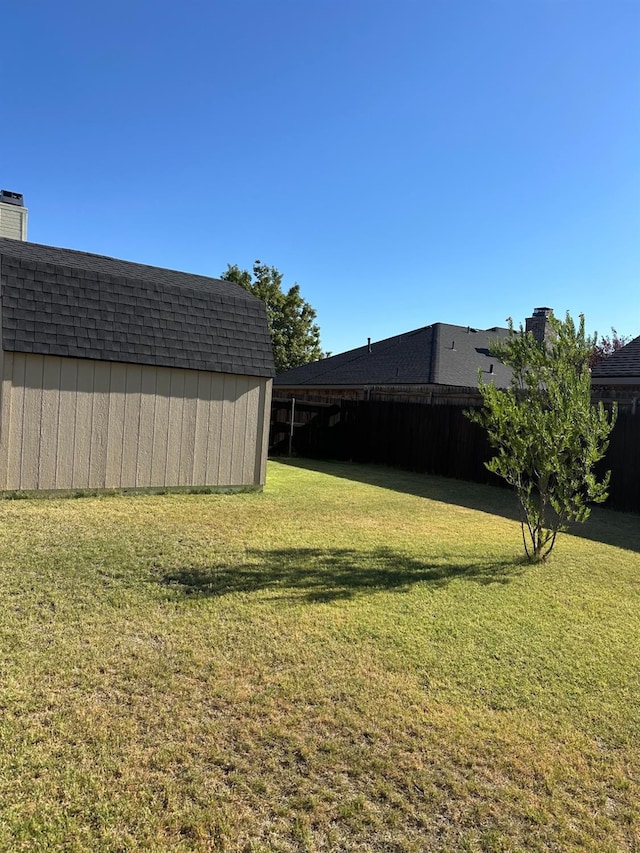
68 303
440 354
622 364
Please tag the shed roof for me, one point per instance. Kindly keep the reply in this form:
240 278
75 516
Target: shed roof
440 354
69 303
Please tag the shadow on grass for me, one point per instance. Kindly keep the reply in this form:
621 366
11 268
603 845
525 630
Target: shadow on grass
621 530
320 575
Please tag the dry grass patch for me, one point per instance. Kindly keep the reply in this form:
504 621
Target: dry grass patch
355 659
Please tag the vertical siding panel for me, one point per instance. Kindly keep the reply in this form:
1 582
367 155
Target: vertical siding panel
252 434
161 427
188 437
133 387
16 421
145 437
75 423
174 440
5 417
226 438
83 426
49 419
238 441
214 435
262 426
115 432
203 410
99 425
31 422
4 400
67 423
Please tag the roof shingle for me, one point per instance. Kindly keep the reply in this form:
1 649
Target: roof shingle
622 364
440 354
136 313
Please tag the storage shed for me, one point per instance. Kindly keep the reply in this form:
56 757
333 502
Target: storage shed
121 375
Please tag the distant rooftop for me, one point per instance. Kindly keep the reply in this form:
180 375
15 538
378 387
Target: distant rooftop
622 364
440 354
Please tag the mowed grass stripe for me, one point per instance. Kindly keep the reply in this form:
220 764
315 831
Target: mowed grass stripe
355 659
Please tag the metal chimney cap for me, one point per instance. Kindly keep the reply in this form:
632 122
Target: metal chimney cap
8 197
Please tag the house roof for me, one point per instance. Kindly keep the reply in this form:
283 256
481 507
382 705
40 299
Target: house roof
440 354
68 303
623 364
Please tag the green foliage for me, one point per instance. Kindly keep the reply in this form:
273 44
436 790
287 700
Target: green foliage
547 434
607 346
295 335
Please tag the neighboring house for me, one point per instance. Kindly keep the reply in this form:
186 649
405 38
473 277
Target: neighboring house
617 378
438 364
120 375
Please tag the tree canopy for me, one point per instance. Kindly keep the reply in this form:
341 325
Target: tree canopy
294 333
607 345
547 434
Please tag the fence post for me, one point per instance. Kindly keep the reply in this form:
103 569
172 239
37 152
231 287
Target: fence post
293 411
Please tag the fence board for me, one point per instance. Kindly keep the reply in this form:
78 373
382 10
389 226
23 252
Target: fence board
432 440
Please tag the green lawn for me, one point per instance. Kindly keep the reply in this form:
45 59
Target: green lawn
356 659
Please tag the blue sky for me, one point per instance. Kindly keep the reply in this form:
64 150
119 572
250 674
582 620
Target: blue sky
405 162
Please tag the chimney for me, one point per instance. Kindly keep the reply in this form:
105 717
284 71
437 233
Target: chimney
539 325
13 215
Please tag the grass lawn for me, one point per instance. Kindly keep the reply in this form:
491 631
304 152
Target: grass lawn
356 659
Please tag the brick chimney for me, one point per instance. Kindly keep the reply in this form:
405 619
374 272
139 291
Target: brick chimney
539 325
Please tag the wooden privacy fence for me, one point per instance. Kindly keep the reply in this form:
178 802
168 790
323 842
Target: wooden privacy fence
415 436
430 439
623 460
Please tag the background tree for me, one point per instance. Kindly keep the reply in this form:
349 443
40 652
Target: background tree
294 333
607 345
547 434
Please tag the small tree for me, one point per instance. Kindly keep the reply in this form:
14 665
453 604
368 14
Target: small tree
607 346
547 434
294 334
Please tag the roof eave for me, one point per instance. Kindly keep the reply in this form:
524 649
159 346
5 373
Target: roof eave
615 380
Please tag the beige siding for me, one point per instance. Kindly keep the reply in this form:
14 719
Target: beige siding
203 412
160 429
49 416
99 426
189 416
264 405
147 415
229 396
16 419
5 414
74 423
115 426
176 404
238 437
13 222
32 407
131 433
83 424
214 435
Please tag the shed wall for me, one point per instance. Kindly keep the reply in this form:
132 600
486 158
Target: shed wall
71 423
